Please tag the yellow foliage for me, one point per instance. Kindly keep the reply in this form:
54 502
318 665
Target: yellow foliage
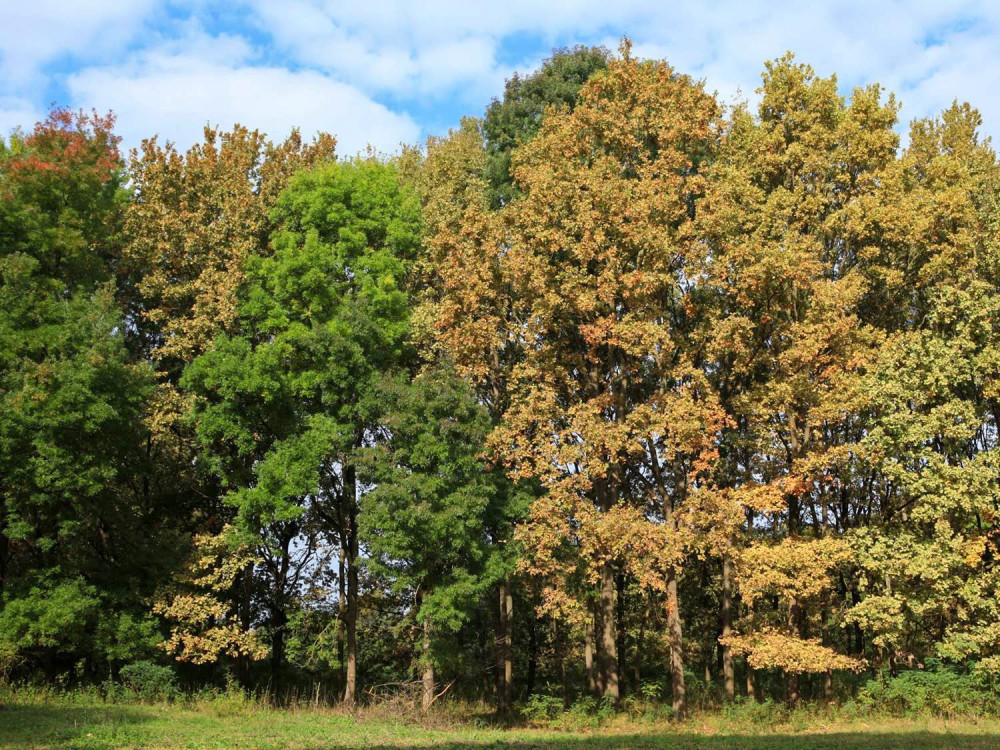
770 649
794 567
203 624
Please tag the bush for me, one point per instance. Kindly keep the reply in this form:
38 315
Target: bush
752 713
943 692
150 682
540 708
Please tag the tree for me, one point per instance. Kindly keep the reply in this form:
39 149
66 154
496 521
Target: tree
514 119
286 401
927 557
425 520
593 255
789 216
72 572
465 179
194 221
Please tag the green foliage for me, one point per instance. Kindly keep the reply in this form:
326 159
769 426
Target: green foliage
516 117
540 708
127 636
79 543
150 682
285 401
61 197
425 518
50 615
941 692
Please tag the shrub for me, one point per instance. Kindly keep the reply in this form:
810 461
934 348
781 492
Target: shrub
540 708
149 681
749 712
942 692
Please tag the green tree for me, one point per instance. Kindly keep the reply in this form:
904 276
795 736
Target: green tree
514 119
286 401
72 567
425 520
928 583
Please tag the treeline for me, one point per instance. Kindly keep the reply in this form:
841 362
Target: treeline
613 387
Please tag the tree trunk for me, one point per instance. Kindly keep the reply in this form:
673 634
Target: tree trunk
751 684
793 677
675 635
639 646
532 654
427 696
505 667
827 675
621 629
278 622
245 586
342 617
728 674
609 647
350 494
562 653
588 654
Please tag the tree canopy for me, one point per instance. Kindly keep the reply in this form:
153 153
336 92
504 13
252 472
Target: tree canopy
608 389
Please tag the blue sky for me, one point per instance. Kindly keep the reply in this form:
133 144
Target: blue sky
388 71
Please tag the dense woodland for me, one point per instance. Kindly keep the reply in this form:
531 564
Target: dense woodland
614 390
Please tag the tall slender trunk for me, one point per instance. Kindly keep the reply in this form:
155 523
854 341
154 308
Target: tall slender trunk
751 684
427 696
793 677
342 616
639 646
588 654
350 496
609 646
279 619
532 655
245 587
676 639
279 610
828 674
505 664
562 653
728 673
621 629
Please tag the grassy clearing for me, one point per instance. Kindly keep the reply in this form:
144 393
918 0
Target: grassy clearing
61 722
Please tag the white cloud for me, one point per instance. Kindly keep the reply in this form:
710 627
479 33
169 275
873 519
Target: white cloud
372 50
322 63
174 94
926 51
35 32
17 112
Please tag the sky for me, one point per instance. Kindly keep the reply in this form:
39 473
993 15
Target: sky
385 72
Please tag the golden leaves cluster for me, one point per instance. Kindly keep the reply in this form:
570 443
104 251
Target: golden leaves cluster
203 625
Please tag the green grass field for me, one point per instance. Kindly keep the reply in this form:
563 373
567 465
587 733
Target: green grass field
59 723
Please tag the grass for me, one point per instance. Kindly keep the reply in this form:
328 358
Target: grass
71 722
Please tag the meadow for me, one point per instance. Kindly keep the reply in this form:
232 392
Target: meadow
49 720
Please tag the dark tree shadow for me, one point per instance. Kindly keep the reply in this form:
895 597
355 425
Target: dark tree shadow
805 741
41 725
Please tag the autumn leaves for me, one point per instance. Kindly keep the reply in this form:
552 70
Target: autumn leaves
681 313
